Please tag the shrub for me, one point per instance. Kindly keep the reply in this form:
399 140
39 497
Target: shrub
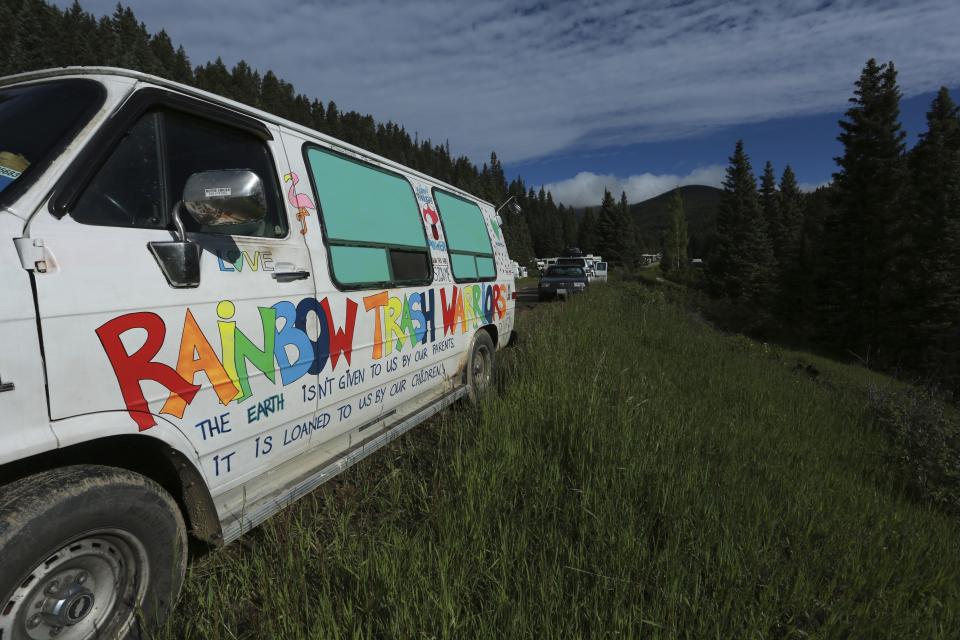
925 438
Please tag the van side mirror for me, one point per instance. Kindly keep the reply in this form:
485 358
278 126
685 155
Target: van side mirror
217 198
225 197
179 259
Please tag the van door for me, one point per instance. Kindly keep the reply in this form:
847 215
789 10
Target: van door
601 271
379 255
223 361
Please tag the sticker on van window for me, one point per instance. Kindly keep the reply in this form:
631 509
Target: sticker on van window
11 166
299 200
219 191
432 218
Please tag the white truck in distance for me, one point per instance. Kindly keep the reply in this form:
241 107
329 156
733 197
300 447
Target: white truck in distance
206 312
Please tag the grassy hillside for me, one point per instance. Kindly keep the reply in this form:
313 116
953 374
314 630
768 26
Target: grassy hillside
700 205
639 474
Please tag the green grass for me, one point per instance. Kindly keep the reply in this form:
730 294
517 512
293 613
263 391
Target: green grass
638 475
529 281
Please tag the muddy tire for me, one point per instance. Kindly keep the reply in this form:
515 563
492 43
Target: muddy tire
480 366
87 552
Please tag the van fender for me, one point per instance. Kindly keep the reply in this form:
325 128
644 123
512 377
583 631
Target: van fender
490 329
106 435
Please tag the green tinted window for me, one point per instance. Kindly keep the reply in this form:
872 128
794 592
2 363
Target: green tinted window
471 256
358 265
485 268
363 204
464 225
372 222
464 266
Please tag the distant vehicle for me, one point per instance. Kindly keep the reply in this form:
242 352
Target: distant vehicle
571 252
600 271
584 263
562 280
697 263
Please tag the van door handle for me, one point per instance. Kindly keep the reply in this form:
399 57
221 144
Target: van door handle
290 276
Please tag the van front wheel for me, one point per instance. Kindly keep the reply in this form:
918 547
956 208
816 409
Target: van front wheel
87 552
480 366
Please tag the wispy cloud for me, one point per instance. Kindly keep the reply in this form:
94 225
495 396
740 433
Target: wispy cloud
586 189
810 187
528 79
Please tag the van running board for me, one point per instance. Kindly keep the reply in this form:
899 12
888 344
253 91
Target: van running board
271 504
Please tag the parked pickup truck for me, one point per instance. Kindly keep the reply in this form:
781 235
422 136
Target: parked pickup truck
562 280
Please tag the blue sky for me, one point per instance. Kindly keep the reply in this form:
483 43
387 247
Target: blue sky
807 143
582 94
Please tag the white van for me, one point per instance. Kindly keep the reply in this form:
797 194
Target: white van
206 312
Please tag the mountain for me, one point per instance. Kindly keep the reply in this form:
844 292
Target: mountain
700 205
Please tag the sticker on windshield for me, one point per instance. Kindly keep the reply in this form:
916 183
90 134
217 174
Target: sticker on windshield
11 166
217 192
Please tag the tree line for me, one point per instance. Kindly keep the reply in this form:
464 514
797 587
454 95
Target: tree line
866 267
37 35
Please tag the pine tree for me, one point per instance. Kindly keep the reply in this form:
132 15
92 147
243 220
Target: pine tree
675 241
629 239
862 306
215 78
741 266
333 122
587 235
787 239
182 69
932 257
79 33
815 269
610 231
246 84
770 205
570 231
132 42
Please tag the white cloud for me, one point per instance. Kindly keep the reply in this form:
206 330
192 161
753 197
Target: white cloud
528 79
810 187
586 189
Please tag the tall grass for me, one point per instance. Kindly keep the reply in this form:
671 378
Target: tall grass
638 475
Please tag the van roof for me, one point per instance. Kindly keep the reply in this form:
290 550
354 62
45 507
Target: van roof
236 106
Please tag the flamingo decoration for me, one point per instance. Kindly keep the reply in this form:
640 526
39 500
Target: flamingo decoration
300 200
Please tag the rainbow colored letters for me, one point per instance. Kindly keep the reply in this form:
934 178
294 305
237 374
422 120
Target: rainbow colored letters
398 323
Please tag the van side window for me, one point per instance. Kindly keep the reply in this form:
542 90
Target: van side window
193 145
371 221
126 191
471 255
146 173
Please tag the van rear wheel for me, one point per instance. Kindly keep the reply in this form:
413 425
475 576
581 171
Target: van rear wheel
480 366
87 552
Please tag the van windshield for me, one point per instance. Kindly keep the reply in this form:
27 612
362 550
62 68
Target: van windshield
565 272
36 122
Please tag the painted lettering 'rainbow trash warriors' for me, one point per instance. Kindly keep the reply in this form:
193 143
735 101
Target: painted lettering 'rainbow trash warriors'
409 320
